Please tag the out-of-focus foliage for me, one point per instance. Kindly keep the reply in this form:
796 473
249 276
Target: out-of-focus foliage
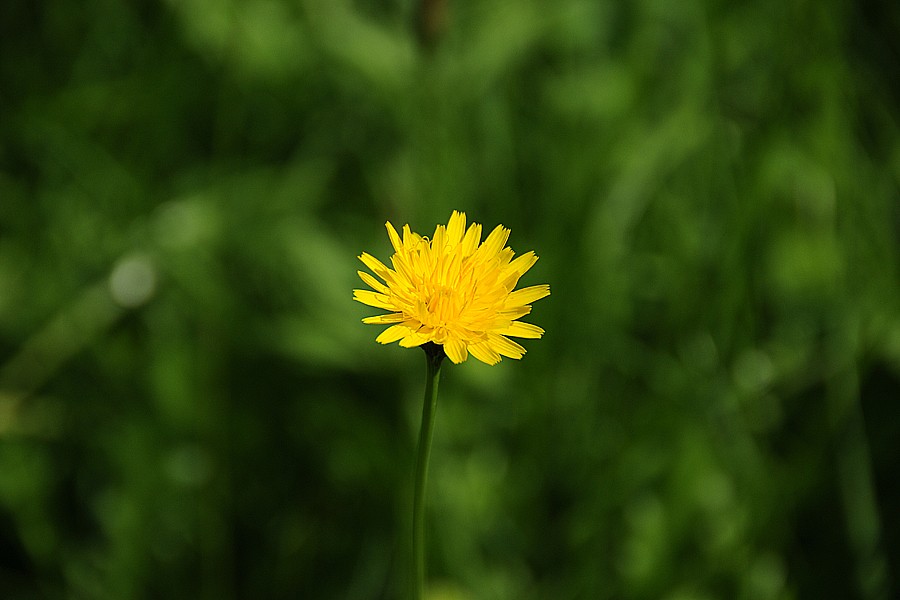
190 407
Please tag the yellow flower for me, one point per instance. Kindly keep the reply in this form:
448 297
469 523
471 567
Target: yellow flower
454 291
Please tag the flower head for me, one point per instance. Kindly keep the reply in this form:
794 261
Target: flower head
454 291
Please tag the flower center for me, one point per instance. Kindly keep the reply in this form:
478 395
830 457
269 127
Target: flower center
441 305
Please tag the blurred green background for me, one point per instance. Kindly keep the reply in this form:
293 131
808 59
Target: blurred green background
191 408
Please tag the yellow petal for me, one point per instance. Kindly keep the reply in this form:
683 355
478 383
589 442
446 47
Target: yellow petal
483 352
456 350
375 265
392 334
505 256
451 270
373 283
505 346
384 319
373 299
510 282
439 240
472 239
527 295
514 313
395 239
402 268
410 239
414 339
522 330
494 242
456 227
523 263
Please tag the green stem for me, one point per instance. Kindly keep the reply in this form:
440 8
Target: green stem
434 354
